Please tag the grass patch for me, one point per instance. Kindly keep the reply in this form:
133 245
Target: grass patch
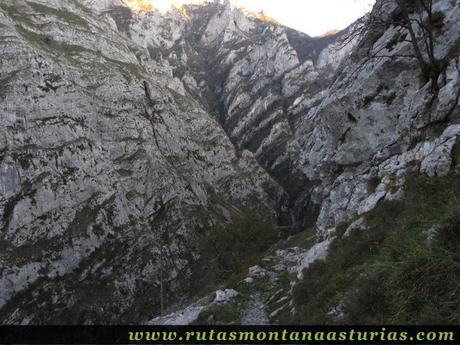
81 7
13 13
227 251
305 239
46 43
131 68
392 273
66 16
182 101
222 314
70 51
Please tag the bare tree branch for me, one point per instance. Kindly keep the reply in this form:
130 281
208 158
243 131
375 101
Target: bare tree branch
413 16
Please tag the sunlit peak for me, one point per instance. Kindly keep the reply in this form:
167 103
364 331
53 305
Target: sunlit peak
160 5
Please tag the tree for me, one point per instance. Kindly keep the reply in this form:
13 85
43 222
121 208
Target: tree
426 22
418 21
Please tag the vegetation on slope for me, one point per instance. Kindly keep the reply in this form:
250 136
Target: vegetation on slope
404 269
227 251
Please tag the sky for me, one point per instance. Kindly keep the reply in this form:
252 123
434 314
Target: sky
314 17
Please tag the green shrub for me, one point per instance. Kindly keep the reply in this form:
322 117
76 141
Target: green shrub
454 50
227 251
437 20
372 184
431 71
66 16
397 38
342 227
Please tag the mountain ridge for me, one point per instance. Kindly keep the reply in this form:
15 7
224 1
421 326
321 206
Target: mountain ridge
128 137
300 53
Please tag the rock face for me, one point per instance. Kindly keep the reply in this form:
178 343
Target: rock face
107 167
124 134
251 74
378 120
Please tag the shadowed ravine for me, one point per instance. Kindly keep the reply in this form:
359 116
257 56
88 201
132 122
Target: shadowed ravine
148 160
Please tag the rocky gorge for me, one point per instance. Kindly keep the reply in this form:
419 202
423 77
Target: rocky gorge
136 146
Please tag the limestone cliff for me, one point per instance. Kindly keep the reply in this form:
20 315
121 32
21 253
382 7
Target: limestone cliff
123 135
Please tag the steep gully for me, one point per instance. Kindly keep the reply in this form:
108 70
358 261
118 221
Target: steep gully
212 64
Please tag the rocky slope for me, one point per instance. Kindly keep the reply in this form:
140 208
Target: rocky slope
105 163
249 72
321 125
356 143
127 134
378 118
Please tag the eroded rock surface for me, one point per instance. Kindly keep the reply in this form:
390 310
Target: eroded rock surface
124 134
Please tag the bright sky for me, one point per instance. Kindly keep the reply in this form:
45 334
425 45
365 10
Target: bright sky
314 17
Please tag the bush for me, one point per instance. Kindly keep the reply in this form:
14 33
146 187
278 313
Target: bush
372 184
397 38
432 71
227 251
342 227
437 20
